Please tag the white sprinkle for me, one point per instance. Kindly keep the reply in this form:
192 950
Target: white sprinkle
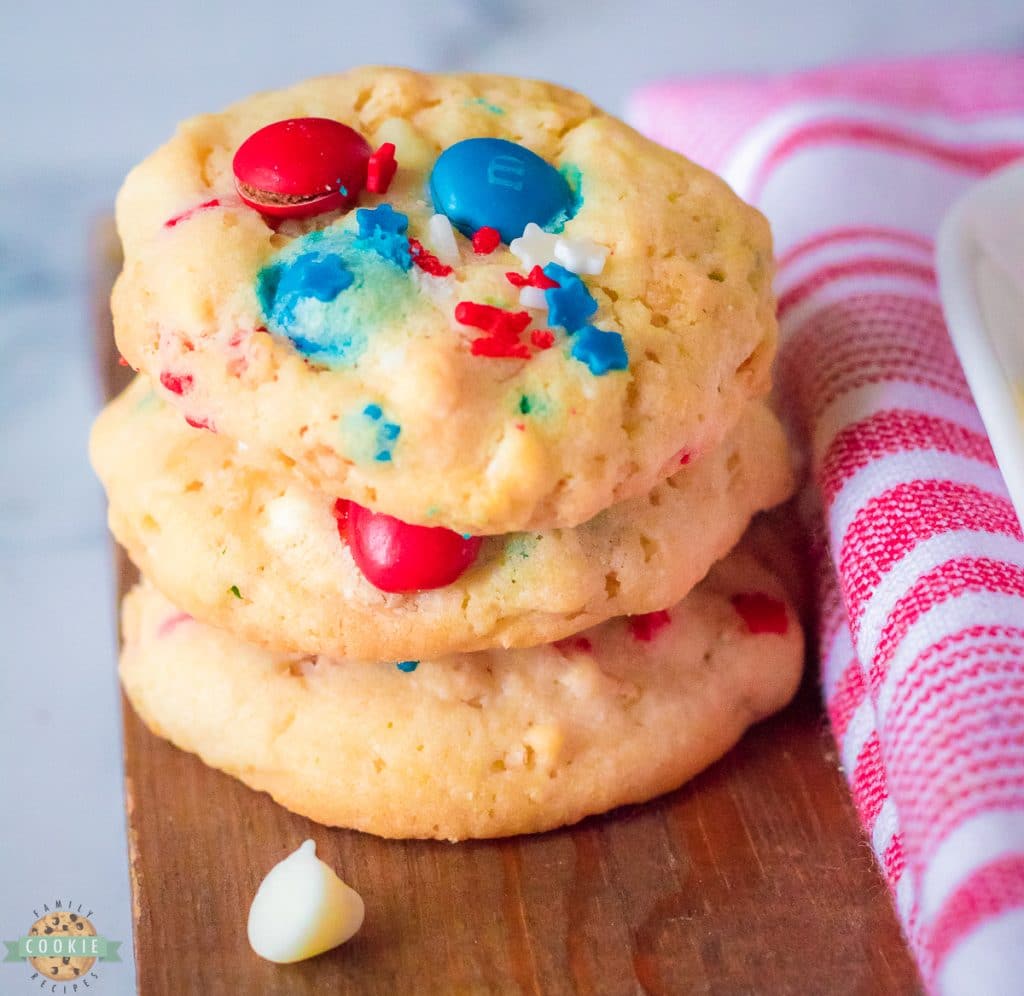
533 297
441 240
437 289
534 247
581 255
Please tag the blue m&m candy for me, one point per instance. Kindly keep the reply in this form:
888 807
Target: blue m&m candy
496 183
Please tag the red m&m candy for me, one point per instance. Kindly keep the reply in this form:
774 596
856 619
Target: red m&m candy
301 166
395 556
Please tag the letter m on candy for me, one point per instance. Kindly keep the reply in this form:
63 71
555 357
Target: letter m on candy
505 171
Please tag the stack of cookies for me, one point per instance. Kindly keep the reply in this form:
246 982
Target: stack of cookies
448 425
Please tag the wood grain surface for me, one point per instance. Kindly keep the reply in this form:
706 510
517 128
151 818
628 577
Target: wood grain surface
754 878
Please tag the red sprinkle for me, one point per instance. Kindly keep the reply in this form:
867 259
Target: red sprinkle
646 627
542 338
497 321
574 644
503 329
380 169
538 278
486 240
122 362
176 383
185 215
499 348
761 613
426 260
684 458
172 623
200 423
521 426
535 278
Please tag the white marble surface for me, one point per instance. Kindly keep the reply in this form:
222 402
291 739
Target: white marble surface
87 89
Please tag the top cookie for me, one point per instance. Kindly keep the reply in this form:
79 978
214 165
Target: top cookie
442 396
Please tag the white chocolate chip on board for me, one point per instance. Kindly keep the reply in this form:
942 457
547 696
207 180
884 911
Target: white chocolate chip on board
302 909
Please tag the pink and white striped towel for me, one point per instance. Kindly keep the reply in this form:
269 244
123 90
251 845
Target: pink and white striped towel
922 638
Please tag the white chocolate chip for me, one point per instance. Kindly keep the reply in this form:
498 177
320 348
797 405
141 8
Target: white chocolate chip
546 741
441 240
290 519
581 255
533 297
413 150
534 247
302 909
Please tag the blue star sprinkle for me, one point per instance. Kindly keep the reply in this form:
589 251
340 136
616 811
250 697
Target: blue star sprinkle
601 351
382 230
570 304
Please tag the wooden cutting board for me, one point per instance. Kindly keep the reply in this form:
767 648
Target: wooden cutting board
754 878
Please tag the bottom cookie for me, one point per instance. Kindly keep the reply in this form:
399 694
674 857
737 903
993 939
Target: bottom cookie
474 745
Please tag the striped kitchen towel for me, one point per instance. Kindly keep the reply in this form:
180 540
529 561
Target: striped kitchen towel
922 636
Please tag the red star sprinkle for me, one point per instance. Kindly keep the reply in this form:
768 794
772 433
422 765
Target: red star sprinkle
761 613
486 240
176 383
122 362
535 278
645 628
200 423
538 278
426 260
380 169
542 338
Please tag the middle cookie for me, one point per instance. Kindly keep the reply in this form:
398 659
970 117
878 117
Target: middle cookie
253 549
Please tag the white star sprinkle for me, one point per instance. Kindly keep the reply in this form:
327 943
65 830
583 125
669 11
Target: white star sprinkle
534 247
581 255
441 240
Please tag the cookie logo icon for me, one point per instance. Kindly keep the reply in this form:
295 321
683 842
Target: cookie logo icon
65 966
62 948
